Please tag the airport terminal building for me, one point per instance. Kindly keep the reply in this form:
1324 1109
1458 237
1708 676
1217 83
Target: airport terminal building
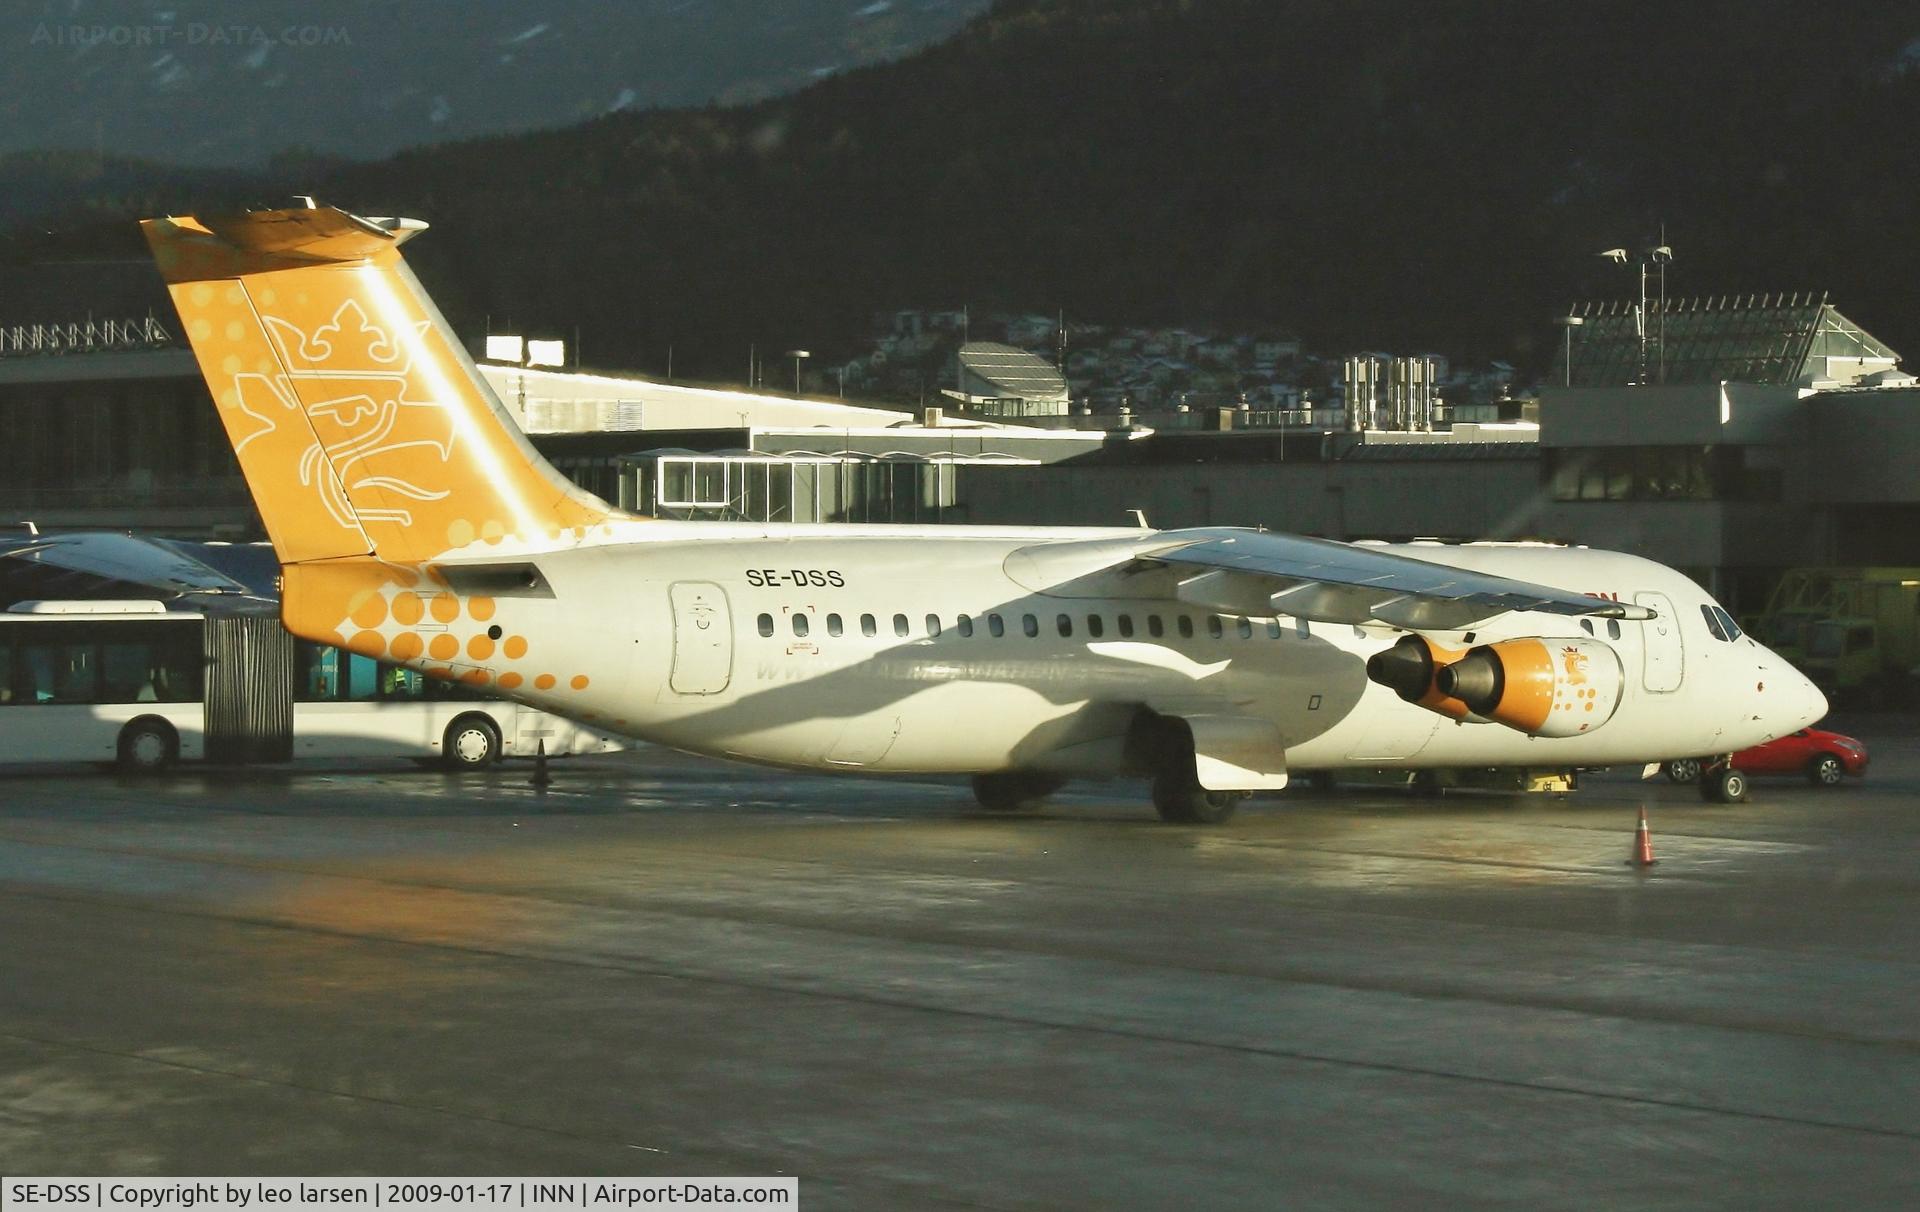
1756 436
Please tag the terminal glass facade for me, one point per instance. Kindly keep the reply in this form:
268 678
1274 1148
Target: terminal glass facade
761 488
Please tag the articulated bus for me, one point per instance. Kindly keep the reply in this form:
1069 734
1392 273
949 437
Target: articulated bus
133 683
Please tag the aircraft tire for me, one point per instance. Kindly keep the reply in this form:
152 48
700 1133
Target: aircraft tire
1724 786
1012 790
1181 802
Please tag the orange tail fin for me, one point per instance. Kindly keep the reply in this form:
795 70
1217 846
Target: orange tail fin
362 427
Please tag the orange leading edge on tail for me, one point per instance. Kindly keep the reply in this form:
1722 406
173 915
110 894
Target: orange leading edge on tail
372 446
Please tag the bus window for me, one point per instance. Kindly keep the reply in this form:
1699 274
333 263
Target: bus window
56 673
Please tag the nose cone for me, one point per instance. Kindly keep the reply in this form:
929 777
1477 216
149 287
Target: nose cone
1814 702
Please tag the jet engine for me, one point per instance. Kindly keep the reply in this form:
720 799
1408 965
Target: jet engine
1410 667
1543 687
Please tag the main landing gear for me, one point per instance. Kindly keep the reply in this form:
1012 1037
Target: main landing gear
1164 745
1012 790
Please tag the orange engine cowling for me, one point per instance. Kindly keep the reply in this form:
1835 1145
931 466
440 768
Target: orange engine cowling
1543 687
1411 667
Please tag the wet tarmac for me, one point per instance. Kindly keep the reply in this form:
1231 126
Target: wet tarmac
669 966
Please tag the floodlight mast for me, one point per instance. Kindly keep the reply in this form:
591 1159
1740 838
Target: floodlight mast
1658 255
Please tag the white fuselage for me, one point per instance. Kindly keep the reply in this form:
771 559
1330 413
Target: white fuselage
877 648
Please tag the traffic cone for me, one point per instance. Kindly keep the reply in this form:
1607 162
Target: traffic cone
1642 853
540 777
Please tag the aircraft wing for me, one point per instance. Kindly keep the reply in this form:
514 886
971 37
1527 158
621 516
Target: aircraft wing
1261 573
1341 583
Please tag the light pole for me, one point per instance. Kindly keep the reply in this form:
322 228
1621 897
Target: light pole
1657 255
1570 323
798 355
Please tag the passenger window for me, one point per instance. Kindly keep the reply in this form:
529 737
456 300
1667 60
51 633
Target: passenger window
1273 629
1586 625
1030 625
1613 629
1185 624
900 624
1064 623
1126 624
800 625
1246 629
933 624
833 624
1095 627
766 624
966 626
868 626
996 625
1214 627
1155 627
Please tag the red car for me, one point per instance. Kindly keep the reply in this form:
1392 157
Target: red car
1824 757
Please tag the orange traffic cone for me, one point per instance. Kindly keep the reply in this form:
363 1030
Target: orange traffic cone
1642 853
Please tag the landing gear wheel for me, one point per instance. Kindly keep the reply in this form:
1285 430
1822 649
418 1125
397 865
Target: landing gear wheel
147 747
1723 786
1683 770
1825 771
1012 790
472 742
1181 802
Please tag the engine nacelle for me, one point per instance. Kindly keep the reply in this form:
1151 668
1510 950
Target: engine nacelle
1410 668
1543 687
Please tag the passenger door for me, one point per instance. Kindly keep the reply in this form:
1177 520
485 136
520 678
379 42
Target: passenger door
702 638
1663 657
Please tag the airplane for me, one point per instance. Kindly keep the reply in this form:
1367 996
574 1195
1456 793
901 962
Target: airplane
415 523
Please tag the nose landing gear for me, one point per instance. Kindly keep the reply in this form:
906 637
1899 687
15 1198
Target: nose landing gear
1720 783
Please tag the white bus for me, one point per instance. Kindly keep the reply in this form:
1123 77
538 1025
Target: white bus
133 683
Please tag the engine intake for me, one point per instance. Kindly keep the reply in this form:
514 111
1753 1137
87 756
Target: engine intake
1410 669
1543 687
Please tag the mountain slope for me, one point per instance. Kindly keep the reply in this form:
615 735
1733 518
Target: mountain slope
1373 173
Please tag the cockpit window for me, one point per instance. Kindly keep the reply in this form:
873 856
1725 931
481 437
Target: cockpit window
1726 621
1713 623
1721 624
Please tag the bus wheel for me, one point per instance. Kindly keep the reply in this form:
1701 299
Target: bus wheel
471 742
148 747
